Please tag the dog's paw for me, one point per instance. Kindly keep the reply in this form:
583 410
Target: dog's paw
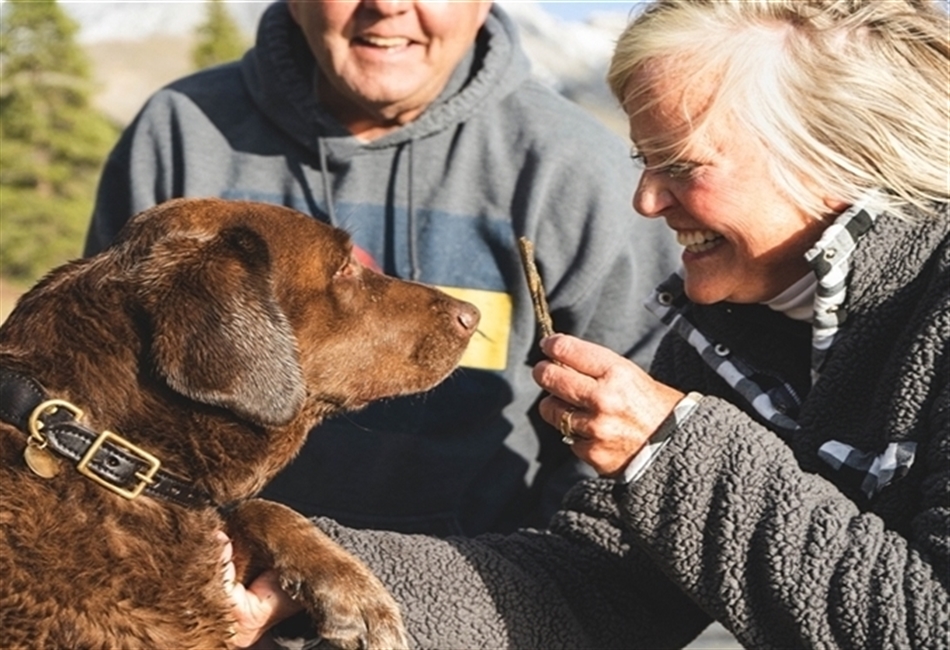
349 605
352 610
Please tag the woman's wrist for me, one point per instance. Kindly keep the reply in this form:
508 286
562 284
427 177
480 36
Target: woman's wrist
649 452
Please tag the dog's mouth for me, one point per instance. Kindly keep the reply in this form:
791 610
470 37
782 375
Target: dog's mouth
446 349
396 370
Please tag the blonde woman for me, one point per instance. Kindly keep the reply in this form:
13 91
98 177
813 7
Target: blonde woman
784 469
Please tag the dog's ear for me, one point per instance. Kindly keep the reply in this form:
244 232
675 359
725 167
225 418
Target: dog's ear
219 335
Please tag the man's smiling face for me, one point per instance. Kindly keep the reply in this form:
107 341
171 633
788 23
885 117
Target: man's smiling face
386 60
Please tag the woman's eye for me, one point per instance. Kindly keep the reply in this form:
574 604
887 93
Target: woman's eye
679 169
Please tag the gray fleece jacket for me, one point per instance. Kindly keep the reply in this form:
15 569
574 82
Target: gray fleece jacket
443 201
752 520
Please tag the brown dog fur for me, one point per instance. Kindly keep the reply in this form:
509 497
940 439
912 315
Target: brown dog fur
214 335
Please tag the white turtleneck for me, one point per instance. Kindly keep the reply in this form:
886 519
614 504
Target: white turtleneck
798 301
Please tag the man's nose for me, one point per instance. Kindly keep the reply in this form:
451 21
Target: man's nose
388 7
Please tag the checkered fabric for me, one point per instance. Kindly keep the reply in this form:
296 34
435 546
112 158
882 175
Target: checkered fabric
873 471
769 397
830 259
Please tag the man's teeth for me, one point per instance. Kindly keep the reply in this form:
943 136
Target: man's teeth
697 241
386 41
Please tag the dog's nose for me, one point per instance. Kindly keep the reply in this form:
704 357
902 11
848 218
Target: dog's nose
468 317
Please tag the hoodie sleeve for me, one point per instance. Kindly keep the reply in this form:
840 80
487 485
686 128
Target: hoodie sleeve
581 584
178 145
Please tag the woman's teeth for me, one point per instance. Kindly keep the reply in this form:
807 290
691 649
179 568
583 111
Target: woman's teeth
697 241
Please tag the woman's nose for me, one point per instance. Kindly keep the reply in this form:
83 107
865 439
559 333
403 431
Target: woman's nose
652 196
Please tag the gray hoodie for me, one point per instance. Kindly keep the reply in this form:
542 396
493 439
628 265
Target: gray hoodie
441 200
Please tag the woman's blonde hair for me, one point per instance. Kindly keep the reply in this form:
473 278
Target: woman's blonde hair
849 96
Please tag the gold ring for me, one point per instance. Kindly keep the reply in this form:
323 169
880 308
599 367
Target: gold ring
567 433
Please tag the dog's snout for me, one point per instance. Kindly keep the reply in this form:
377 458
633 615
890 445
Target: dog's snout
467 316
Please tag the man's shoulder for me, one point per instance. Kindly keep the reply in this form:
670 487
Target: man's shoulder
542 116
212 91
209 82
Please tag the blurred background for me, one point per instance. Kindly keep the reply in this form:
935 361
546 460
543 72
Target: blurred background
74 73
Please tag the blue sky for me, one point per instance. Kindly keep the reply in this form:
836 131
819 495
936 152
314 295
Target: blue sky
580 9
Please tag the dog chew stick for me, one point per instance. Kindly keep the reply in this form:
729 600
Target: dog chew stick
541 312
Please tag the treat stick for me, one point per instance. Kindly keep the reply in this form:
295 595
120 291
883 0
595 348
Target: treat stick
535 287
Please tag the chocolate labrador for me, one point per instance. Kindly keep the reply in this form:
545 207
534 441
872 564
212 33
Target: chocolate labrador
147 393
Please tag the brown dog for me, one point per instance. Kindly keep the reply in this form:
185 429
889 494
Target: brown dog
191 359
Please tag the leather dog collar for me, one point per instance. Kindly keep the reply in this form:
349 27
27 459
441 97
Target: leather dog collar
106 458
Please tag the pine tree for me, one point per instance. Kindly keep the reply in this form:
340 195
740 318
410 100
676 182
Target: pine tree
52 141
219 38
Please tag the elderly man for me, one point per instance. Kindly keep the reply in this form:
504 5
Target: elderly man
417 127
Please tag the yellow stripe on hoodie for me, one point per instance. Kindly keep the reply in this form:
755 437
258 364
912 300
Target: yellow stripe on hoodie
488 348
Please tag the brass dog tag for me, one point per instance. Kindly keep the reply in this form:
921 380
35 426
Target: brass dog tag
40 461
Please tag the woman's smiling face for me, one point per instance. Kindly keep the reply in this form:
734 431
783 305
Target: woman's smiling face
743 240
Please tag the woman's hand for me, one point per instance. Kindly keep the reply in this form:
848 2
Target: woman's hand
255 608
614 406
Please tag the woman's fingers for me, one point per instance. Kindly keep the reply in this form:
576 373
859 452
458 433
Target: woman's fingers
587 375
564 382
587 358
257 607
603 405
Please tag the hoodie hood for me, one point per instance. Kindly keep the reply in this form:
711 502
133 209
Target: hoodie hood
279 73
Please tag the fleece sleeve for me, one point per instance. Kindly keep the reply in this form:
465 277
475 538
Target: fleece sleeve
578 585
780 556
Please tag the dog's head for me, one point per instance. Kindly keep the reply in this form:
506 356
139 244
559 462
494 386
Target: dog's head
262 310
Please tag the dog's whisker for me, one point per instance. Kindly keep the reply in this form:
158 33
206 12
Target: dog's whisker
484 336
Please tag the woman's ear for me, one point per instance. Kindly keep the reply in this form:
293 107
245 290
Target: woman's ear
836 206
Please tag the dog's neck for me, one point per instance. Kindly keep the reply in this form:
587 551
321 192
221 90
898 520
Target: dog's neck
103 367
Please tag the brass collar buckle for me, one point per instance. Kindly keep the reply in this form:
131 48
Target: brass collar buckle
145 479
